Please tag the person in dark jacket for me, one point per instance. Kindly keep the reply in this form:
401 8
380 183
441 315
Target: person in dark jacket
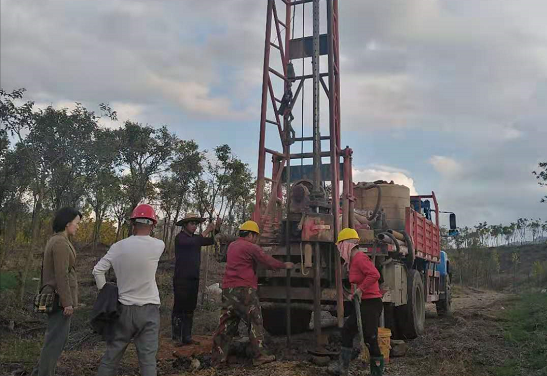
186 279
364 275
59 275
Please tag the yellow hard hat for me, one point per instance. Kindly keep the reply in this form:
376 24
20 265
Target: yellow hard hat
347 233
249 226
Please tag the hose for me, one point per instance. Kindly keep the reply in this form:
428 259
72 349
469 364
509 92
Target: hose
395 241
378 202
411 256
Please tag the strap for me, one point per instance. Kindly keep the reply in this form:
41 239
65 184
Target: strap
44 286
42 272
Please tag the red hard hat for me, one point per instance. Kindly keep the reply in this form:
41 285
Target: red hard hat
144 211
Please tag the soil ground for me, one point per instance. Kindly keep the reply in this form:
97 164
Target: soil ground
470 342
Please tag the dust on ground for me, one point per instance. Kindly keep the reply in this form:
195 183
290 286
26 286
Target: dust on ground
468 343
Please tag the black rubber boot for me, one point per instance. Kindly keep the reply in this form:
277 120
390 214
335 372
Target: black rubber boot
187 330
377 365
176 328
341 367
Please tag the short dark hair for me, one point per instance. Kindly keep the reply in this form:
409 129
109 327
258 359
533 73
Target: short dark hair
63 217
244 233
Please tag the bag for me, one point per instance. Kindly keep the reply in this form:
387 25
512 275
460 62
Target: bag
46 302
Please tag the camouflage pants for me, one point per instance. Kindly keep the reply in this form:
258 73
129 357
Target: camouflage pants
238 303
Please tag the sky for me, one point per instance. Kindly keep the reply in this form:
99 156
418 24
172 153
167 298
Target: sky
439 95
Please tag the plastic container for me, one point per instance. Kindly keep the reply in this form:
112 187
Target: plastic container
384 342
395 200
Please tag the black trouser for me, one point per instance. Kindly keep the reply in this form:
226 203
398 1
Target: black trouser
185 302
371 309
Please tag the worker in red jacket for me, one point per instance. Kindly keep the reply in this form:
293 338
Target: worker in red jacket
239 297
364 275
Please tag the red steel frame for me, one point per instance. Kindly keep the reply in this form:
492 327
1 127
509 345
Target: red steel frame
268 214
263 213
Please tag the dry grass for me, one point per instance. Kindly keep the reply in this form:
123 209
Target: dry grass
466 344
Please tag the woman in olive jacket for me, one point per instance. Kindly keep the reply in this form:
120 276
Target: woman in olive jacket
59 275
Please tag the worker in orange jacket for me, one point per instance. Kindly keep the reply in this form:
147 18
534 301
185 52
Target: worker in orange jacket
364 275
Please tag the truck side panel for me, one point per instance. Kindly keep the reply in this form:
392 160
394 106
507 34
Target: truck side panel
425 236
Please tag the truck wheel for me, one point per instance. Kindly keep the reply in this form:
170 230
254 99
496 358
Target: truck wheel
444 307
275 320
411 317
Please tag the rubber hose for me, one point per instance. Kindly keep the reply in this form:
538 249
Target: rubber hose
395 241
411 255
378 202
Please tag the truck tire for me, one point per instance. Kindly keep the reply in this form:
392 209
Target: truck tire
411 316
275 320
444 306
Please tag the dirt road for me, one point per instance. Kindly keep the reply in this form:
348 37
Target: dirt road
468 343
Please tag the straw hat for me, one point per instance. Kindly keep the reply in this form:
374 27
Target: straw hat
190 217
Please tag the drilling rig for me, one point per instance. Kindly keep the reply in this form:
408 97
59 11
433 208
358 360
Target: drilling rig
306 194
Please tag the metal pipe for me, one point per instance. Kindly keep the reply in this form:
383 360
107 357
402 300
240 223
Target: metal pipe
307 76
361 218
389 238
351 196
281 49
273 152
310 138
336 68
334 161
397 235
345 193
317 292
386 237
310 155
287 151
298 2
264 107
317 180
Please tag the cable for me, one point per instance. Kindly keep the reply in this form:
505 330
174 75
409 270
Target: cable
303 88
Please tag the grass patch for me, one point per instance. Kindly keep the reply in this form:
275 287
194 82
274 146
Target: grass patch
8 280
526 332
20 350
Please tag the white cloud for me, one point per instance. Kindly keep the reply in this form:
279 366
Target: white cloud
196 98
387 173
124 112
510 133
446 166
467 78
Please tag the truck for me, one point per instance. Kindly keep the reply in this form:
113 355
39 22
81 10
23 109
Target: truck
401 235
301 206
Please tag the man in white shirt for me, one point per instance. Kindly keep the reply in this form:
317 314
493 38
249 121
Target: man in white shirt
135 261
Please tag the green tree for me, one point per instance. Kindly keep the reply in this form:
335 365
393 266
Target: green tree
103 183
144 153
179 189
225 187
541 176
535 228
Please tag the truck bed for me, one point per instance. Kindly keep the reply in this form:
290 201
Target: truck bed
425 236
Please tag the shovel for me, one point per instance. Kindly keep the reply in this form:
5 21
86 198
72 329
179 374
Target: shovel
365 355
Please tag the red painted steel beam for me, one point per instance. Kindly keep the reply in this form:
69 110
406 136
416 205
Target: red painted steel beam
264 107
